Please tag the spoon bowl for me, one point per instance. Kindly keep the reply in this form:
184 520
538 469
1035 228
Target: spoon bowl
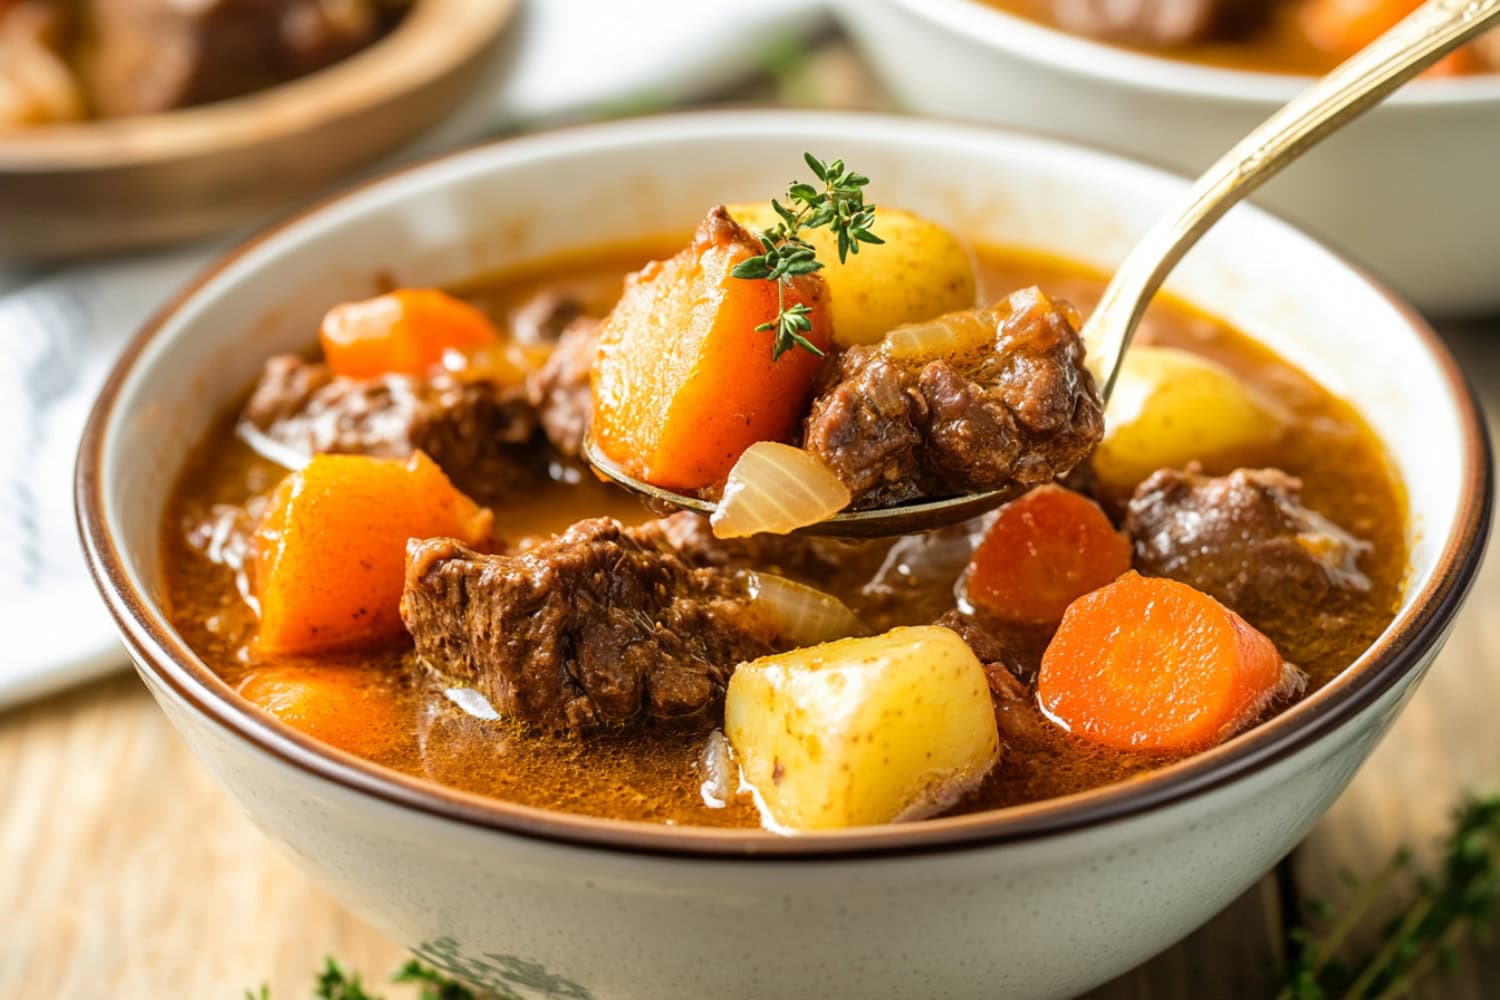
875 523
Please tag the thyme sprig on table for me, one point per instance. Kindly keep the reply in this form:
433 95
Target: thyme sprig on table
335 982
1445 910
840 205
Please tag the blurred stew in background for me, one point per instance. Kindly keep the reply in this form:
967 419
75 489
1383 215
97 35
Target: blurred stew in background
1307 37
66 60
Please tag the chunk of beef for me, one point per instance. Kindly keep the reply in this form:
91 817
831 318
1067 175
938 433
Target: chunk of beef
482 434
1246 539
599 625
813 560
560 388
1017 414
1163 23
542 319
1016 713
154 55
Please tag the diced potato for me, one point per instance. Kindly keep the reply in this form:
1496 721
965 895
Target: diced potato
1171 407
863 731
920 271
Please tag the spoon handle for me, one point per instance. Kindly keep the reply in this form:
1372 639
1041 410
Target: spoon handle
1433 30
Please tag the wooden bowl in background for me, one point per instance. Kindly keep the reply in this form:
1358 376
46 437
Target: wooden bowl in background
101 186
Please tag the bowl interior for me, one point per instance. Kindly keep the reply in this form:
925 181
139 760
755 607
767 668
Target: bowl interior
512 202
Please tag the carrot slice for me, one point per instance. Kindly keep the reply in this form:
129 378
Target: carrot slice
1044 550
330 549
1149 663
328 703
1346 26
405 332
684 382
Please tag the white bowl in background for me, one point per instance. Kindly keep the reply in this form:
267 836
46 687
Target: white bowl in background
1044 900
1412 190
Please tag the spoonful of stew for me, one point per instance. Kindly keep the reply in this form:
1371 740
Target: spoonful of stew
769 378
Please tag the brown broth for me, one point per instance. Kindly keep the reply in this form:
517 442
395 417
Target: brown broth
653 774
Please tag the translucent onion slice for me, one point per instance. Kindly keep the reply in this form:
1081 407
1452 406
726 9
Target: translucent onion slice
471 702
505 363
805 615
951 335
776 488
269 448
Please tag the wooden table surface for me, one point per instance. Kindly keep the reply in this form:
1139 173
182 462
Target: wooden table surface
128 873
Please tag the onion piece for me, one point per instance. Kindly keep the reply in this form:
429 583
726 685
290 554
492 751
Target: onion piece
471 702
776 488
269 448
969 332
720 775
950 335
803 614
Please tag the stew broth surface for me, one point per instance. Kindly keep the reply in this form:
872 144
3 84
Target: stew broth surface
654 774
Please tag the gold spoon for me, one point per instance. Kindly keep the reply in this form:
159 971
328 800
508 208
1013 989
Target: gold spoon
1429 33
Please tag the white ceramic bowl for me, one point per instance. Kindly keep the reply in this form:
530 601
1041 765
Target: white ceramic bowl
1040 901
1412 190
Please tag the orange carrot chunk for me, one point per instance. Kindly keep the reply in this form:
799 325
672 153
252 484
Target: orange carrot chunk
1044 550
684 382
405 332
1152 664
330 549
1346 26
1343 27
333 704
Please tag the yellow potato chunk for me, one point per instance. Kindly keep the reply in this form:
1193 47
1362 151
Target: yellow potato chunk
1171 407
863 731
920 271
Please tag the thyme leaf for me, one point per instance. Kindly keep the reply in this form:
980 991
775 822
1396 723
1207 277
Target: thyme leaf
840 206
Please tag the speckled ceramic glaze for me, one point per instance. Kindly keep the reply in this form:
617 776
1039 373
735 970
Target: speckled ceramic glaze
1041 901
1409 190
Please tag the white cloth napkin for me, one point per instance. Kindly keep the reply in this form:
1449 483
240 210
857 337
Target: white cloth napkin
60 329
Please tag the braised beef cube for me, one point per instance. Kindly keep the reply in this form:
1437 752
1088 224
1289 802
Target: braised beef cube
812 560
1246 539
1015 710
1163 23
1016 414
146 56
482 434
545 317
559 390
599 625
868 426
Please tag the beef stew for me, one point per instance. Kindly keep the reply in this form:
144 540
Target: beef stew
576 651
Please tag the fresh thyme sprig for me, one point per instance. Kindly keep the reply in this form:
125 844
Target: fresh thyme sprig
435 985
840 205
1445 910
337 983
